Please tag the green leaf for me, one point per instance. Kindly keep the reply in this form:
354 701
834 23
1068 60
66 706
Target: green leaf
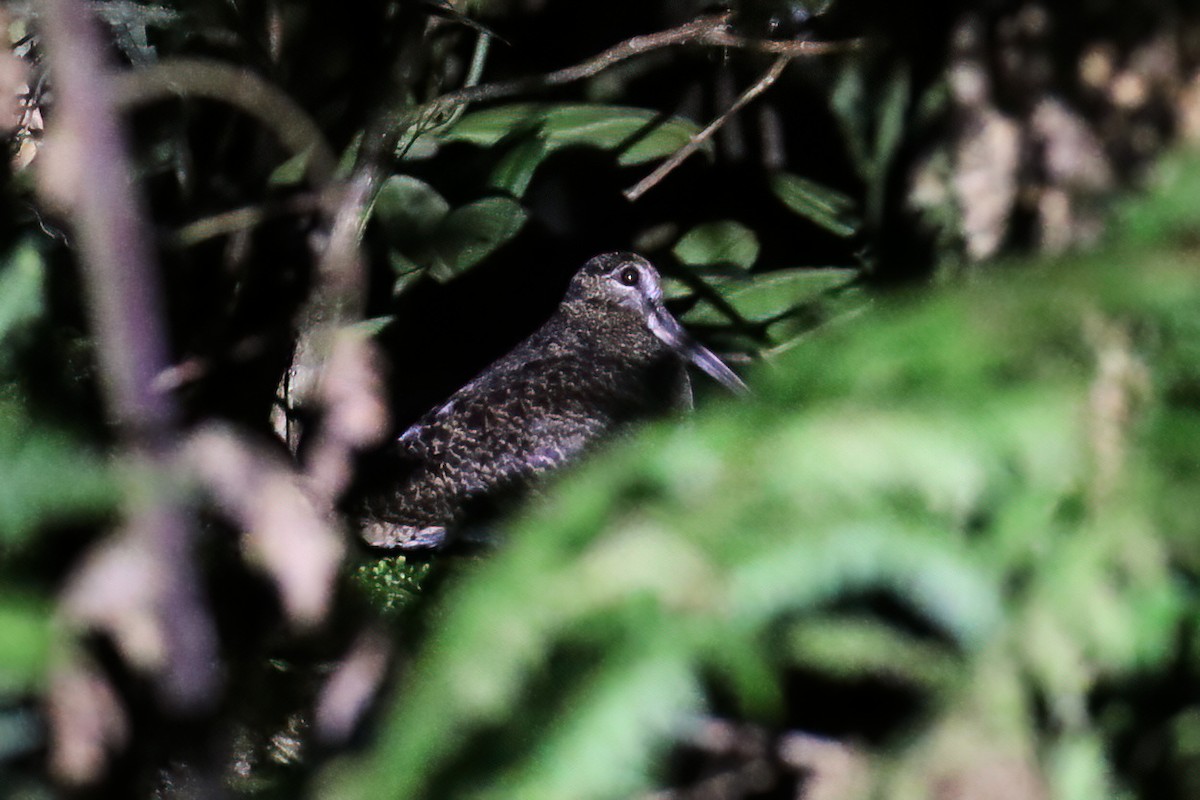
675 289
1077 768
819 204
373 326
426 234
640 134
469 234
747 671
292 171
516 169
409 209
891 121
724 242
660 142
488 127
408 273
889 134
853 113
403 266
912 563
774 294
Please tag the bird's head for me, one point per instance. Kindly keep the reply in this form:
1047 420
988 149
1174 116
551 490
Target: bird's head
628 285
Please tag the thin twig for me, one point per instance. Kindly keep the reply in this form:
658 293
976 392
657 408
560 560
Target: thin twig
694 31
242 88
695 143
723 38
196 368
240 219
429 118
712 31
337 298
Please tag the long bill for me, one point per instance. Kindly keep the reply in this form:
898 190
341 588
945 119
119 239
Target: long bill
668 329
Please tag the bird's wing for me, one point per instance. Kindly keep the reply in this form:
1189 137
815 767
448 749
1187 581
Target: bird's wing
425 436
517 419
420 438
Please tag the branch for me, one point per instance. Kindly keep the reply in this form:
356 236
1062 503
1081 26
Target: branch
241 219
241 88
335 300
89 176
141 587
712 31
695 143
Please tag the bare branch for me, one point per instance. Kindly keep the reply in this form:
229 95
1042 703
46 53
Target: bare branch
696 30
792 49
711 31
695 143
336 298
88 175
85 170
353 395
241 88
86 720
241 219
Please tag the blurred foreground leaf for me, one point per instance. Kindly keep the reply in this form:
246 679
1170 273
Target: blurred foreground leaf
953 454
25 633
48 479
940 453
21 286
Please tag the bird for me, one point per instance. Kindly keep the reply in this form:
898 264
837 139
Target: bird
610 354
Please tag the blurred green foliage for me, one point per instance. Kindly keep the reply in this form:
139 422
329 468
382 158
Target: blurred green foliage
1012 463
49 479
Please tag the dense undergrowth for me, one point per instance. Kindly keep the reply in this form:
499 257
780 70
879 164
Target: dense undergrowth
948 547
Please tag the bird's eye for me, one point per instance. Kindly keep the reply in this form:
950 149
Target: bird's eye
630 276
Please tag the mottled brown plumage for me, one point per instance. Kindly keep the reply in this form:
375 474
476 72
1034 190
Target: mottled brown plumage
609 355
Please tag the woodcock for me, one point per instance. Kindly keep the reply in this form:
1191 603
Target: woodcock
611 354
